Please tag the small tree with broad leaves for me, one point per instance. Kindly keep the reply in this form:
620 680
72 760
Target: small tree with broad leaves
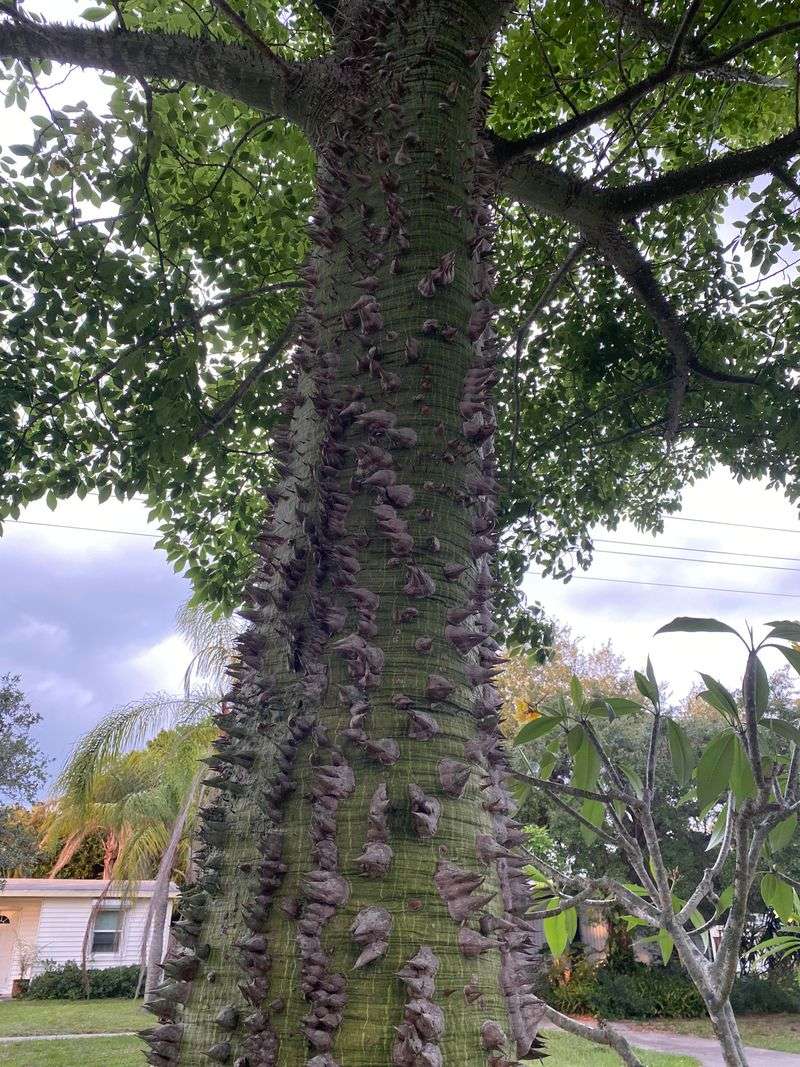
747 779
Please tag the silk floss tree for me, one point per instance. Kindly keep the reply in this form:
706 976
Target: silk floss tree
473 233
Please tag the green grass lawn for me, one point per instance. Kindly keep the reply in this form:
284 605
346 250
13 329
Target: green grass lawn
91 1052
565 1051
781 1033
19 1018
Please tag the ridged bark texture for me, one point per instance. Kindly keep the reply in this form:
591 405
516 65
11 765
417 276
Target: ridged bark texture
362 900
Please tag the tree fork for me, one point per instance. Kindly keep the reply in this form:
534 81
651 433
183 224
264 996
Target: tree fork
362 898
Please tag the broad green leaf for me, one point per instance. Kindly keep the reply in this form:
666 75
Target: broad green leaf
560 929
586 765
548 762
687 624
645 686
714 769
666 944
594 811
791 654
725 900
95 14
718 830
634 778
743 784
535 729
786 730
783 833
723 695
575 739
619 705
777 895
680 750
576 693
784 629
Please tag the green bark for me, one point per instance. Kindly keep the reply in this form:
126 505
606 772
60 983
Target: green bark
360 903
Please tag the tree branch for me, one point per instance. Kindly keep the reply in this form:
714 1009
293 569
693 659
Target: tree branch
598 1035
705 62
263 82
224 411
725 170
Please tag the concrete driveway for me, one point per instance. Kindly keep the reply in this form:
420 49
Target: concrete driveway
705 1050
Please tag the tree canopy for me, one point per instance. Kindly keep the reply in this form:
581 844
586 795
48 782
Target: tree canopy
152 252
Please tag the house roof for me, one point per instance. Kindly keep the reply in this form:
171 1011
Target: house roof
76 887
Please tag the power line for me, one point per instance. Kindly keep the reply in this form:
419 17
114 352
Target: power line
688 548
86 529
688 559
671 585
739 525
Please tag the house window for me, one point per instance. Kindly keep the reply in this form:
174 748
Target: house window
107 928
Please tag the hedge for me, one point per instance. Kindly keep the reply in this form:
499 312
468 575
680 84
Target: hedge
66 983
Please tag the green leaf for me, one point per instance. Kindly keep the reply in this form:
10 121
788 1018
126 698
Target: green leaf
619 705
576 693
687 624
777 895
725 702
575 739
594 811
634 778
586 765
785 629
718 830
51 500
95 14
646 687
104 493
535 729
666 944
725 900
786 730
743 783
560 929
783 833
681 754
714 769
792 655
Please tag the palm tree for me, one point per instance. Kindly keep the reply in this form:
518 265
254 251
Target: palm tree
142 800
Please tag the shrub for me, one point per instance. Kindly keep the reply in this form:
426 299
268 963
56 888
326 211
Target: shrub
66 982
657 992
764 995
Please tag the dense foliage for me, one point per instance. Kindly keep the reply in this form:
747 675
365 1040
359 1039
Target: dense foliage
66 982
22 769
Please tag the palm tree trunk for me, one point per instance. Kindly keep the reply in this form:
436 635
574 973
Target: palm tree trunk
156 920
361 900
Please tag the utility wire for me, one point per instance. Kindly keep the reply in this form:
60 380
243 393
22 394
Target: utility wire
739 525
689 559
87 529
670 585
689 548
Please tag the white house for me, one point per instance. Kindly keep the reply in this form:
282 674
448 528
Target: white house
45 921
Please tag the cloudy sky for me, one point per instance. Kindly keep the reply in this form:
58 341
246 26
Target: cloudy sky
88 619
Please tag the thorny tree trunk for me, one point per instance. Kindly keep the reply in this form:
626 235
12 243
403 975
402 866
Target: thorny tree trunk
359 903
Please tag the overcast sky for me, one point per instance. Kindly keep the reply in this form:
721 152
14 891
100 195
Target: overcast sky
88 618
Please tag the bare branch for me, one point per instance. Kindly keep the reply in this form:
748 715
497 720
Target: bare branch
263 82
602 1034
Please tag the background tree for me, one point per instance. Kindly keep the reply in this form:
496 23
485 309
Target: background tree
22 769
448 168
746 782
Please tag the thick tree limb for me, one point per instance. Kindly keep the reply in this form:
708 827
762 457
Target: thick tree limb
632 266
263 82
725 170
